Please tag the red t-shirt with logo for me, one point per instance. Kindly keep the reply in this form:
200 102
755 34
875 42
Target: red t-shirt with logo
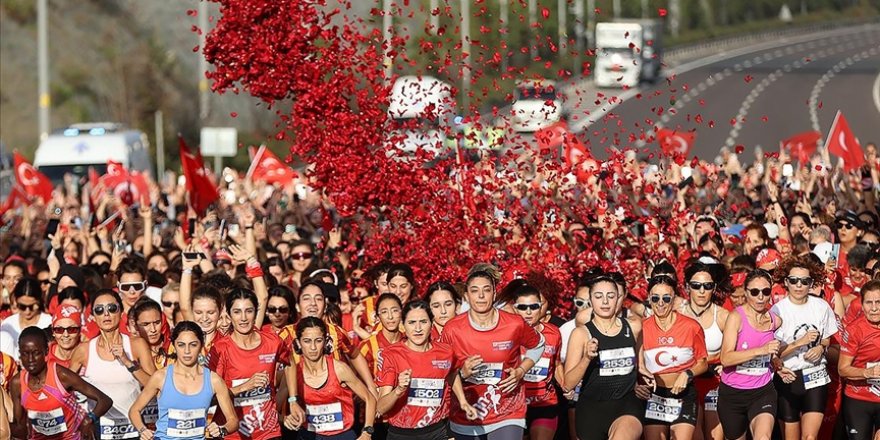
428 398
372 350
861 340
256 408
539 379
674 350
501 349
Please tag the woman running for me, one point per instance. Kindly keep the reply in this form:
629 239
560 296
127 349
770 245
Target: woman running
607 406
280 310
414 383
43 395
445 303
185 389
704 306
746 396
115 364
543 403
247 360
66 329
326 389
146 315
673 353
860 365
488 345
389 332
808 323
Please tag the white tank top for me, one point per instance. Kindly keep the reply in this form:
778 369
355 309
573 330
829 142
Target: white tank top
114 380
713 334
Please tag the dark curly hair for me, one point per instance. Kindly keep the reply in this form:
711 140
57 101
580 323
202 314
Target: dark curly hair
817 271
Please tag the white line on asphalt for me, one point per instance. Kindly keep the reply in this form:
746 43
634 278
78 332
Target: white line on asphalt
826 78
877 93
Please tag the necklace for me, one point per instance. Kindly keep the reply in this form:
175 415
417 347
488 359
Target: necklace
700 314
609 328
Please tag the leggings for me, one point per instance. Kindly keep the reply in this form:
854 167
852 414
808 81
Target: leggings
509 432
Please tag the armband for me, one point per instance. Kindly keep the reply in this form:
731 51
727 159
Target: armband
254 270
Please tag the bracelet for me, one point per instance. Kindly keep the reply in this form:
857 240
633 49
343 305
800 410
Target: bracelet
292 399
187 272
254 270
249 227
94 418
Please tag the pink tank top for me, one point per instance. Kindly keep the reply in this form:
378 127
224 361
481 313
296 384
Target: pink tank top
756 372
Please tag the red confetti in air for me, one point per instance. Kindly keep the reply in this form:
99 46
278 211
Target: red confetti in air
661 12
748 78
545 12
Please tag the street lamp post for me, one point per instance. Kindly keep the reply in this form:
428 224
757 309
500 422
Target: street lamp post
466 53
386 37
44 99
505 30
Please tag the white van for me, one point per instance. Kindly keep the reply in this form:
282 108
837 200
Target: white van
76 148
538 105
422 110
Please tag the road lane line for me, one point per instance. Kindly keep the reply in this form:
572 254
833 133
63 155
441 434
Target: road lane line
877 93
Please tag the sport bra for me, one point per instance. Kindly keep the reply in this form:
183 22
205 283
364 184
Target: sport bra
713 334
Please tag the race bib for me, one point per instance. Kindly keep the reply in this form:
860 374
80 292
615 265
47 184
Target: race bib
325 418
183 423
426 392
49 422
539 372
617 362
815 377
663 409
875 382
150 413
758 366
487 374
116 429
577 393
254 397
711 402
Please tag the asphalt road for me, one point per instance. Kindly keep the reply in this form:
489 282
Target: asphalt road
751 96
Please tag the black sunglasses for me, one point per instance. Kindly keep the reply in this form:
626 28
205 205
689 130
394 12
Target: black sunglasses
656 298
844 225
524 307
696 285
755 292
109 308
274 310
805 281
170 304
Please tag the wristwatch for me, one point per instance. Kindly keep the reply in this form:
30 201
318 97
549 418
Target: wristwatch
134 367
223 432
369 430
690 375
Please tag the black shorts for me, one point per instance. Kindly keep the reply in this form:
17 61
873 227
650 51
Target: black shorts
541 412
437 431
309 435
737 408
660 410
593 418
795 400
862 418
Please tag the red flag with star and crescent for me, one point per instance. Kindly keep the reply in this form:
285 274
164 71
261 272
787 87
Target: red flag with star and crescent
843 143
202 191
16 198
266 166
674 142
128 186
34 183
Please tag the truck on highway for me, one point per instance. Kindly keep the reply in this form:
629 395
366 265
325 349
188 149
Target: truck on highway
422 110
76 148
628 52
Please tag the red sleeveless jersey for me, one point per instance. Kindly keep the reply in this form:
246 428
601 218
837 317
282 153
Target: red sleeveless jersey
330 408
52 412
539 380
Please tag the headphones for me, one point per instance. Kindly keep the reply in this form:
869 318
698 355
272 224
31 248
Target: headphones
328 346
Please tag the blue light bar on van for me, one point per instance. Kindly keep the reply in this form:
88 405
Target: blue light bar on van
71 132
97 131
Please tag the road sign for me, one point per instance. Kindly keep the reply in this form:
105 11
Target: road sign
219 141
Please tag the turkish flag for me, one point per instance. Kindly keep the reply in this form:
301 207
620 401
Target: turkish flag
558 135
842 143
267 167
128 186
202 191
16 198
34 183
802 145
674 142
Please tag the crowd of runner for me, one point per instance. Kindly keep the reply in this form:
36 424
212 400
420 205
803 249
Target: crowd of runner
255 323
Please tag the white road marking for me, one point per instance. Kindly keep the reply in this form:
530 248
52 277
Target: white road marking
826 78
877 93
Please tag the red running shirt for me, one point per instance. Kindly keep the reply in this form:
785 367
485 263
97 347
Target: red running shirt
330 408
861 340
500 348
675 350
539 380
256 408
428 398
372 350
52 412
342 347
52 357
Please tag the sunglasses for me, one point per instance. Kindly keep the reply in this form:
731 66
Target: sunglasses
274 310
45 282
73 330
170 304
109 308
845 226
656 298
301 256
696 285
135 286
755 292
805 281
524 307
581 303
28 307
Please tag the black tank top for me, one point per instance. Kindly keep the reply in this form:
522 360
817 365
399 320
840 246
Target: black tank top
613 374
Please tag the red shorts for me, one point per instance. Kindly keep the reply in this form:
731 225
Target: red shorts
706 382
